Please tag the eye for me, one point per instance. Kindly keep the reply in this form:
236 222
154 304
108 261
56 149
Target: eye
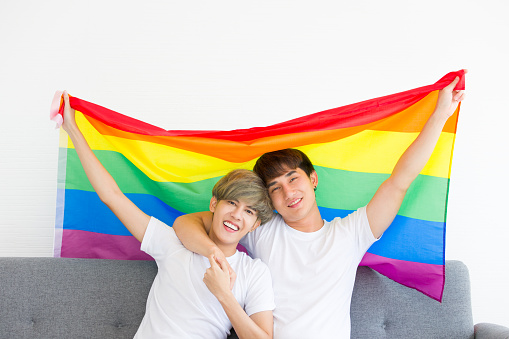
274 189
231 202
250 212
292 179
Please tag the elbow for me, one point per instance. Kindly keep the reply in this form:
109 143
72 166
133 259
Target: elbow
399 184
177 224
110 196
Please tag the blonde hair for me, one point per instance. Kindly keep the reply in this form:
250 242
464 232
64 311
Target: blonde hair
245 185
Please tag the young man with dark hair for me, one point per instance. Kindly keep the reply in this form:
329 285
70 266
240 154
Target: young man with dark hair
313 262
192 295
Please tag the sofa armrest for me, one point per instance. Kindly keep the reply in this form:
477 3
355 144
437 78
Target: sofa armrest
490 331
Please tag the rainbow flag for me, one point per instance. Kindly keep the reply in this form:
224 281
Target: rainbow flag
354 149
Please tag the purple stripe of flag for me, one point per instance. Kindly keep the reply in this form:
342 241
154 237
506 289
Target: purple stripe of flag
426 278
83 244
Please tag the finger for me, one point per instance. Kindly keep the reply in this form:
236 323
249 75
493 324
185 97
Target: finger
230 269
212 260
452 84
223 266
460 96
233 276
226 269
66 98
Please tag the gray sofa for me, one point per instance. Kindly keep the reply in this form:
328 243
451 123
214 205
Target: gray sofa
91 298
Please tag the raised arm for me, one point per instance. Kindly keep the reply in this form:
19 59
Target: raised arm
129 214
258 325
385 204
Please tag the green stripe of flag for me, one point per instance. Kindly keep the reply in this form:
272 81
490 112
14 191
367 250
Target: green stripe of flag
336 189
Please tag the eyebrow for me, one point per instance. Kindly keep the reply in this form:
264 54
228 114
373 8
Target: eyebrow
248 206
286 175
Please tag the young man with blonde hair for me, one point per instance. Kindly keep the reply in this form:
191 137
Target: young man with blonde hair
191 296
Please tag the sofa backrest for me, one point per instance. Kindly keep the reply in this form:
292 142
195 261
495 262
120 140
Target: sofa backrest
382 308
73 298
96 298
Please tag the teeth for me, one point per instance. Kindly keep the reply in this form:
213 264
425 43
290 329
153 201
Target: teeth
231 226
295 202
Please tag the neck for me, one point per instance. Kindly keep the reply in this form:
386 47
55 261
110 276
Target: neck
227 249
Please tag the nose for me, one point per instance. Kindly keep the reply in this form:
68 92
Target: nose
236 213
287 191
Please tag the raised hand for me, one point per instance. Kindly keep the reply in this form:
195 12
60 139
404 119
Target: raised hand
448 99
69 114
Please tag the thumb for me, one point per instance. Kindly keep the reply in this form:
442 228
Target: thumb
66 98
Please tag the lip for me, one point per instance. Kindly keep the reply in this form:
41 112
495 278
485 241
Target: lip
228 229
295 203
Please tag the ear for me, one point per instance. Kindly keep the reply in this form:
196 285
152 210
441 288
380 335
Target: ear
256 224
213 204
314 179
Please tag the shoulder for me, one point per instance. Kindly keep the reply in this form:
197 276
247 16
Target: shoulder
356 218
159 238
264 236
246 261
252 266
354 226
157 228
271 226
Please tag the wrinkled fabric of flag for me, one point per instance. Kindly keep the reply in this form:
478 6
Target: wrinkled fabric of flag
354 148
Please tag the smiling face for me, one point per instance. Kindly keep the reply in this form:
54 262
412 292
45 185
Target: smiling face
231 221
293 196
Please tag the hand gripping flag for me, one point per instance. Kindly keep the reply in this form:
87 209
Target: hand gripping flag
354 149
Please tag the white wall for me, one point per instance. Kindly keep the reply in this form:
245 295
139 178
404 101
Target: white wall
234 64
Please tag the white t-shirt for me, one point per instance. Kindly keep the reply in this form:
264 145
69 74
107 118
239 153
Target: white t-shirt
313 274
180 305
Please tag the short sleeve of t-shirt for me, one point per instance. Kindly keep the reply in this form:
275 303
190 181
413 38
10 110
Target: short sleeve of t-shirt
260 294
357 224
160 240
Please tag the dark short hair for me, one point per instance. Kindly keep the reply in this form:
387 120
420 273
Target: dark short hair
242 184
274 164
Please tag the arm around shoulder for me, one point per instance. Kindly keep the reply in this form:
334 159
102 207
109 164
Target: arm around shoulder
192 230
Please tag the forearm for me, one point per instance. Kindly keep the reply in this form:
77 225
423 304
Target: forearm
130 215
244 326
102 182
387 200
134 219
418 153
192 231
